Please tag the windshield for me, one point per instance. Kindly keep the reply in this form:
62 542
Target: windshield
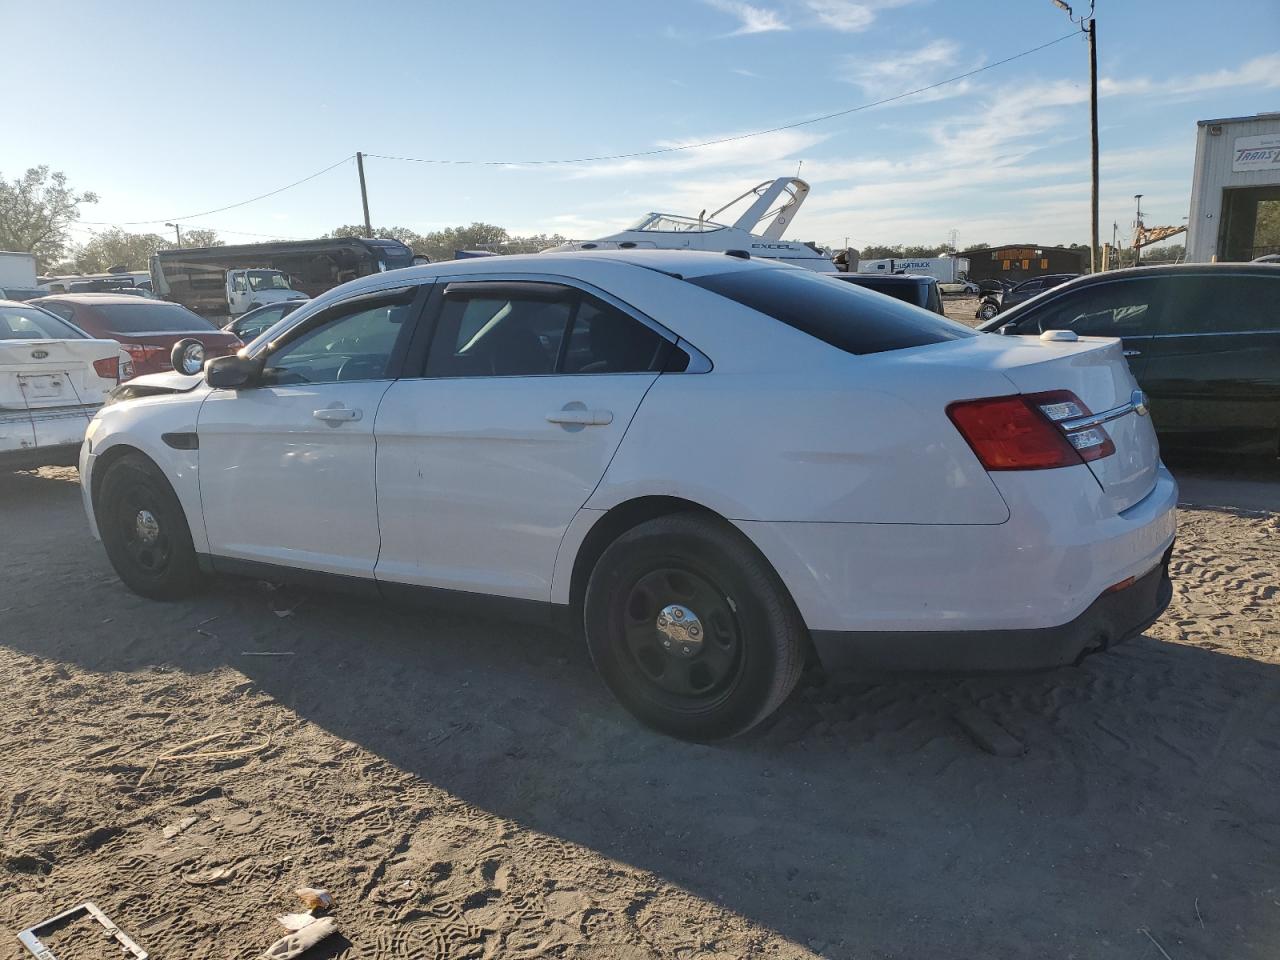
28 323
267 280
672 223
151 316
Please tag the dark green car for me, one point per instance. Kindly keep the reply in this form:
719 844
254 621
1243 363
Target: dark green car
1203 341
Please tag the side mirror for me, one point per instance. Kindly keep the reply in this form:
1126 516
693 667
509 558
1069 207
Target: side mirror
1006 330
230 373
187 356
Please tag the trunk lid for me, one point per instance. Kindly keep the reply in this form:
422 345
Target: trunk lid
1094 369
42 374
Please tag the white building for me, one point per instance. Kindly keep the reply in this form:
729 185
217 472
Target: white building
1237 170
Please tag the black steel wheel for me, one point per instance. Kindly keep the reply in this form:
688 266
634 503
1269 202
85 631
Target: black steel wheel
144 530
691 628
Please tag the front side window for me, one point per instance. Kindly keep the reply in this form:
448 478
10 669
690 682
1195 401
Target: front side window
1223 303
61 309
519 329
841 314
27 323
267 280
1122 308
352 346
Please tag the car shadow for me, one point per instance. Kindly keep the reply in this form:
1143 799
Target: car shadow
864 819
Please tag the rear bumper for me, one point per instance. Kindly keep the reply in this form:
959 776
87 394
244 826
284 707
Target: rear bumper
1112 618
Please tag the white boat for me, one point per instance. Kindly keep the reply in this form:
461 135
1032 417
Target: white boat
669 231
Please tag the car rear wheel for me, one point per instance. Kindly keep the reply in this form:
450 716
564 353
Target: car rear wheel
145 531
691 628
987 310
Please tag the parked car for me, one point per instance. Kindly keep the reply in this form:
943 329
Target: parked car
996 301
918 291
146 328
258 321
1202 339
710 465
53 378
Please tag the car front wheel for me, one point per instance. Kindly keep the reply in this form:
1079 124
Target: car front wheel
144 530
691 628
987 311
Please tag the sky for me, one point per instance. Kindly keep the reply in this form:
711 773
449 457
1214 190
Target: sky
168 110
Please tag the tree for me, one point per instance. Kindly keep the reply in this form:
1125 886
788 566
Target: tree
197 237
35 212
116 248
409 238
976 246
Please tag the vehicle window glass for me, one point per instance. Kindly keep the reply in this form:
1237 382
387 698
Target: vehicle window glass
26 323
1124 308
237 283
352 346
1031 286
841 314
498 336
61 309
606 340
1224 304
934 301
150 316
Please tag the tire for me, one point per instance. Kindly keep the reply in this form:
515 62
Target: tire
691 629
145 531
987 310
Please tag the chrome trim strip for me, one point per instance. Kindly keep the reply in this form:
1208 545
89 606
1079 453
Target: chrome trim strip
1136 404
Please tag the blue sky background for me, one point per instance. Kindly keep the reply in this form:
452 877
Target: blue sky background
170 109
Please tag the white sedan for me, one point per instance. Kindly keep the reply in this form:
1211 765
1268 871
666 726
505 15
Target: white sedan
53 379
716 467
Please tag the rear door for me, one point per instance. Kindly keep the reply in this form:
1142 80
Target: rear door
1214 371
484 460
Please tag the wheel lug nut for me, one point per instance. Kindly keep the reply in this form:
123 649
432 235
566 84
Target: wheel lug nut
678 613
662 621
694 631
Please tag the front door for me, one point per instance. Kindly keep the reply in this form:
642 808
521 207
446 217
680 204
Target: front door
484 461
1214 371
287 465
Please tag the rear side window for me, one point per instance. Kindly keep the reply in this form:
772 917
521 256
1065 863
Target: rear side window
150 316
841 314
27 323
1224 304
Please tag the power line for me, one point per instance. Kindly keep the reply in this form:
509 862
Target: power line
230 206
741 136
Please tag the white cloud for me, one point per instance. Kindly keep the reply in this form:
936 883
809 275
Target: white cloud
893 73
752 19
1260 72
766 151
849 16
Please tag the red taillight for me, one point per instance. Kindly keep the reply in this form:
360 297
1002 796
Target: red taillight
108 368
143 354
1022 432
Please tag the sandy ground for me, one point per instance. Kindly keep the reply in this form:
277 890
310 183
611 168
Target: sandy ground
961 309
468 789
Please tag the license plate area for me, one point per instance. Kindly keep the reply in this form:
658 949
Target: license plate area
49 386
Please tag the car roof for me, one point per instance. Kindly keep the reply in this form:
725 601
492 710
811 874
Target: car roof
92 299
887 277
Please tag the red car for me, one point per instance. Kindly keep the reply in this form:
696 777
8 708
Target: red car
146 329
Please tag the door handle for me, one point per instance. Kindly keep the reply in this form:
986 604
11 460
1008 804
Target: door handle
581 418
1133 353
336 415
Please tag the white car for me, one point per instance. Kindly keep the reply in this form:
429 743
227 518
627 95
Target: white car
53 378
712 465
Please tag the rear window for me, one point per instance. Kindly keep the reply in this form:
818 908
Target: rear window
841 314
150 316
28 323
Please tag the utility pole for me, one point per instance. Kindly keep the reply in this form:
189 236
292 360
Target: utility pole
177 231
364 195
1089 26
1093 123
1137 229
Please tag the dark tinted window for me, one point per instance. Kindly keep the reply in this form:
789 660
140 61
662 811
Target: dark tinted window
1225 303
150 316
905 291
27 323
606 340
841 314
1120 308
61 309
499 335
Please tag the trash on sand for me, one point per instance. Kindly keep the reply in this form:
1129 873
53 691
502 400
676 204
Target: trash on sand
30 938
207 878
173 829
294 922
297 943
287 612
314 898
180 754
